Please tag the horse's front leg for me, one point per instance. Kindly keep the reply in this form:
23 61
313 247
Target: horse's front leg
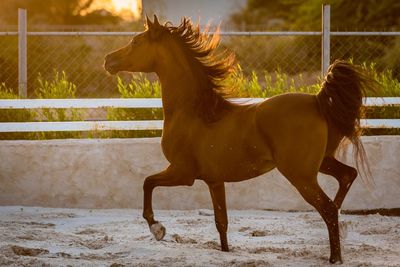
217 191
169 177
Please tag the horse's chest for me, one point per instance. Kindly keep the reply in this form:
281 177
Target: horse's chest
176 146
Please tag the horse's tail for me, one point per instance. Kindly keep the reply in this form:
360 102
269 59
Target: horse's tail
341 99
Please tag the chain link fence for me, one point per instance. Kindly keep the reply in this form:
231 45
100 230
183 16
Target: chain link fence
70 65
81 57
9 61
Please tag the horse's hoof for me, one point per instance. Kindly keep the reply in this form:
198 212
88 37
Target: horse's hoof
158 230
335 260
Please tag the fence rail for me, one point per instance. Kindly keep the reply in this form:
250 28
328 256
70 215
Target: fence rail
140 102
136 103
224 33
80 126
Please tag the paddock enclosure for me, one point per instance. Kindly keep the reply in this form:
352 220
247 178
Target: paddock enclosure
109 173
78 201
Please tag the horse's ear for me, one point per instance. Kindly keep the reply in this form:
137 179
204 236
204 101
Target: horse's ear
154 27
148 22
156 23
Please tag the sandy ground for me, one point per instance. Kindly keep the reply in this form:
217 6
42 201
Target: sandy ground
78 237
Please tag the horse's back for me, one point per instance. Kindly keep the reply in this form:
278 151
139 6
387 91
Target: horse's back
296 132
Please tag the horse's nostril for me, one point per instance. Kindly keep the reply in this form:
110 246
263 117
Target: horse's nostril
110 66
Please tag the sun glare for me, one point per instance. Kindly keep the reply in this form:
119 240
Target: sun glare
134 6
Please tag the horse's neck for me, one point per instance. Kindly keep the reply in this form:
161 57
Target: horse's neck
178 89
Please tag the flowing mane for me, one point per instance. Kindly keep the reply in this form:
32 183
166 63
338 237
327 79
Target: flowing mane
210 67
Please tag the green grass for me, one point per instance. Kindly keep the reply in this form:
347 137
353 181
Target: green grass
269 84
137 87
238 84
59 87
14 115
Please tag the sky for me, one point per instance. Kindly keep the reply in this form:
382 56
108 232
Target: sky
214 11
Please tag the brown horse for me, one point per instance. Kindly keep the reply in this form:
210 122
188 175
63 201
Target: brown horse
209 138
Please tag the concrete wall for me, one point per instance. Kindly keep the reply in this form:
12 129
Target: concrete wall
110 174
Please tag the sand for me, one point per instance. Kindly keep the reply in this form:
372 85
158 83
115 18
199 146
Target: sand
31 236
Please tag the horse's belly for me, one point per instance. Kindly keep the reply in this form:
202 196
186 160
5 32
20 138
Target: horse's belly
235 167
246 171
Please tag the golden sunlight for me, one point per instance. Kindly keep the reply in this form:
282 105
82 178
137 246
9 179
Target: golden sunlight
122 6
127 9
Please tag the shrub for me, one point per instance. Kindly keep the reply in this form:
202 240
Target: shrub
138 87
270 84
239 84
59 87
14 115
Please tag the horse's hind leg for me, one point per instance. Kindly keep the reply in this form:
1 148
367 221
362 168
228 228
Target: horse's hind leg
217 191
315 196
344 174
169 177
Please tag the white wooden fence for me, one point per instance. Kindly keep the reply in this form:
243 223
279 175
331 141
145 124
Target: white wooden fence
134 103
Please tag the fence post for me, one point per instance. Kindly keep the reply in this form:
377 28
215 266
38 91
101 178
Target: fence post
326 28
22 53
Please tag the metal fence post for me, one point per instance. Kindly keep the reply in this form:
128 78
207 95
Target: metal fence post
22 53
326 28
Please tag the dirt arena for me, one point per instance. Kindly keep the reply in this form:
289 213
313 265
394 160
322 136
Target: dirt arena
80 237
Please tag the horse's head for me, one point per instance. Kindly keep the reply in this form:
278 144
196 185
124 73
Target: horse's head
140 54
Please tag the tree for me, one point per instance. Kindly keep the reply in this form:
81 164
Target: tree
306 15
261 15
56 12
355 15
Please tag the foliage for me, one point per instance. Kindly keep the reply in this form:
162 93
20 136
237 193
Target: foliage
391 57
262 85
60 87
261 15
306 15
138 87
269 85
6 93
278 82
57 12
12 115
390 87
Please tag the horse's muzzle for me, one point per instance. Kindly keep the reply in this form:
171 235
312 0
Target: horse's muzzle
111 66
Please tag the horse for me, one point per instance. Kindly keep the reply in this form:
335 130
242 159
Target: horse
207 137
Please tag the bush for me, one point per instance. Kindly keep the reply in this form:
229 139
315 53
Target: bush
390 86
14 115
59 87
240 85
138 87
270 84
